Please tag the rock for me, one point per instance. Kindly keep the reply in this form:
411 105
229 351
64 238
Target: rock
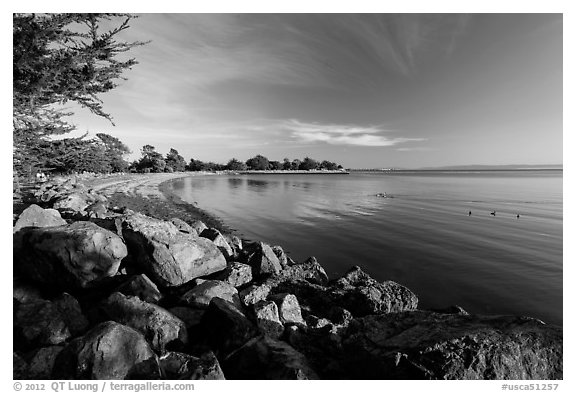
73 202
39 323
24 293
309 270
142 287
69 256
427 345
236 244
281 255
266 358
168 256
183 226
160 328
42 362
19 367
267 319
236 274
263 260
362 295
225 328
288 308
201 295
216 237
97 209
189 316
181 366
108 351
451 310
254 294
71 313
198 226
35 216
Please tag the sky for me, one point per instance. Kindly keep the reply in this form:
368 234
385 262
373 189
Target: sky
363 90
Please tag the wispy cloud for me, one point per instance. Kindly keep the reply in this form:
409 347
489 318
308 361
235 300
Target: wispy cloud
338 134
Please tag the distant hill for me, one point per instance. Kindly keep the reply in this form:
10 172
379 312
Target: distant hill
493 167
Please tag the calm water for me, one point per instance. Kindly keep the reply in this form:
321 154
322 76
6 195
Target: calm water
423 237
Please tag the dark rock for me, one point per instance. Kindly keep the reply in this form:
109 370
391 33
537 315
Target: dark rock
159 327
288 308
309 270
267 319
201 295
168 256
181 366
24 293
71 313
266 358
191 317
35 216
142 287
427 345
362 295
263 260
225 327
69 256
19 367
216 237
108 351
39 323
451 310
236 274
42 362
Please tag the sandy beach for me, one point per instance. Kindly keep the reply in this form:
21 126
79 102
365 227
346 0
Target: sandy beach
147 194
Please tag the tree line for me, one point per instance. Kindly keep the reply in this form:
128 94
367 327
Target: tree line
152 161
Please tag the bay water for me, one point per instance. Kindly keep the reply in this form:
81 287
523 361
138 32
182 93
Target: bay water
433 231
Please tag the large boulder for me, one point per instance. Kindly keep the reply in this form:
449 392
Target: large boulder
262 259
160 327
35 216
288 308
362 295
201 295
42 362
267 358
71 313
428 345
219 240
39 323
69 256
225 328
267 319
108 351
73 202
183 226
169 257
178 365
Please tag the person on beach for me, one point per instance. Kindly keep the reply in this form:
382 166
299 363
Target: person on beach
469 213
493 213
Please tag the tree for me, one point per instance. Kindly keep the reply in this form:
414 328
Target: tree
308 164
286 165
258 163
236 165
195 165
115 152
275 165
331 166
295 164
175 161
151 160
59 58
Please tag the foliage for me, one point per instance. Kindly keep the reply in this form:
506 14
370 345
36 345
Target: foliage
174 161
236 165
257 163
151 160
59 58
